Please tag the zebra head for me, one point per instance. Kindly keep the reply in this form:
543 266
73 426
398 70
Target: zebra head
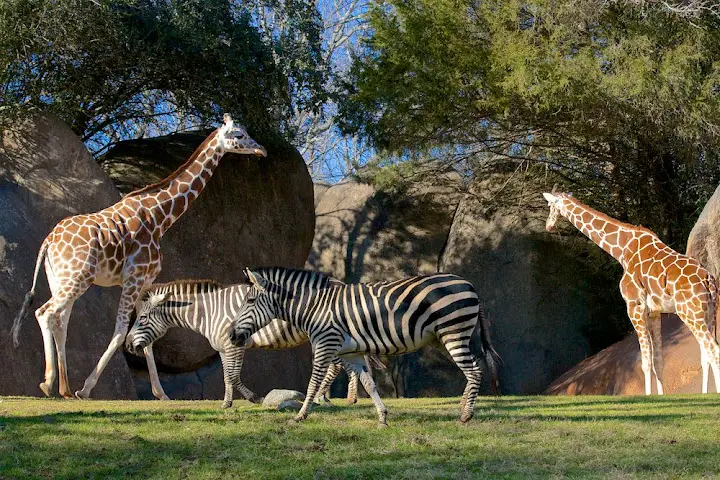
149 325
260 308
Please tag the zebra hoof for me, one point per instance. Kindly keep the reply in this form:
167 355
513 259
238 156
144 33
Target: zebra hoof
351 401
382 425
45 388
226 405
463 420
256 400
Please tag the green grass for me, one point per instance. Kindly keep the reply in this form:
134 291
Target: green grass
510 437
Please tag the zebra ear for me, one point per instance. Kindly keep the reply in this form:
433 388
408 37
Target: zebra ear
158 299
258 282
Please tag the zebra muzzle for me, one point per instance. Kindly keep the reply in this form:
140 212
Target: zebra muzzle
238 338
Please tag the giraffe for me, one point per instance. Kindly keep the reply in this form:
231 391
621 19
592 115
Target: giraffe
119 245
656 280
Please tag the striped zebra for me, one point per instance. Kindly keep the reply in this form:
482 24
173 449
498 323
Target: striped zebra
388 318
208 307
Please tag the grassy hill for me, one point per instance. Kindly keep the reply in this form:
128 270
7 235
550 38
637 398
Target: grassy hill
510 437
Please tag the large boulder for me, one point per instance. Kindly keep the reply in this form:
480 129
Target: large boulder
540 296
617 369
254 212
704 240
47 174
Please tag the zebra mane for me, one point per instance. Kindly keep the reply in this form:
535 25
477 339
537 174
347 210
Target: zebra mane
280 275
203 284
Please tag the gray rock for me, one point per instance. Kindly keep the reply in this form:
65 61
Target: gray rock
276 397
46 174
704 240
290 405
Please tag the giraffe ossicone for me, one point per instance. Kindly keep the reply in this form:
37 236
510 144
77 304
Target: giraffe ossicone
119 245
656 280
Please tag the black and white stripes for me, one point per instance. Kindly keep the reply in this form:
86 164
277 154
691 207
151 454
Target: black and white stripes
386 318
208 308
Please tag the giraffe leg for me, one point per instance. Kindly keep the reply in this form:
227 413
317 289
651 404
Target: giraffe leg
130 294
157 388
59 331
638 317
332 373
44 321
655 327
357 364
705 366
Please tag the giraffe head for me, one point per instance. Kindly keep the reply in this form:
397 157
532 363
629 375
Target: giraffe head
235 139
149 324
555 201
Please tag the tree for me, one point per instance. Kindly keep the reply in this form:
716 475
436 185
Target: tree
115 69
621 103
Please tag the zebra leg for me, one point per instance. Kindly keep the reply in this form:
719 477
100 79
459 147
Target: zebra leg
359 367
459 349
332 373
157 388
352 388
232 361
322 359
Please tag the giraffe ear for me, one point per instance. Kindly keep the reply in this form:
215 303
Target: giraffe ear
550 197
157 299
228 122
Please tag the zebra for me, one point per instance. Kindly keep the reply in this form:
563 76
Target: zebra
387 318
207 307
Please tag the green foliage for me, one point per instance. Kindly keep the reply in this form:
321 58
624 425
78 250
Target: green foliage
510 437
104 66
622 102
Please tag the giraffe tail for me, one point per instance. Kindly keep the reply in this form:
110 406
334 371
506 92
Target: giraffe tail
28 296
492 357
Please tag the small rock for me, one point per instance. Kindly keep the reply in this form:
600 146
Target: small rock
290 405
277 396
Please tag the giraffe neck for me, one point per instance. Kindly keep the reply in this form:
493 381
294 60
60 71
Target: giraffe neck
610 234
169 199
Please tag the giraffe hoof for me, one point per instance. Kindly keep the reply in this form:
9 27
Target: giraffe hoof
45 389
164 398
81 395
67 395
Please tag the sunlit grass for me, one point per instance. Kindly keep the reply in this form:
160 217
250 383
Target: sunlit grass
510 437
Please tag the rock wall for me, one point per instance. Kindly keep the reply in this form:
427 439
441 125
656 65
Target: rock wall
254 212
47 174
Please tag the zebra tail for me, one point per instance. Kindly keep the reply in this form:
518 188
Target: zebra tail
375 362
15 331
492 357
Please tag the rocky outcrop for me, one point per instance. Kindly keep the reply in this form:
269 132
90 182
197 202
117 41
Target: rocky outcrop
538 292
616 370
253 212
47 174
